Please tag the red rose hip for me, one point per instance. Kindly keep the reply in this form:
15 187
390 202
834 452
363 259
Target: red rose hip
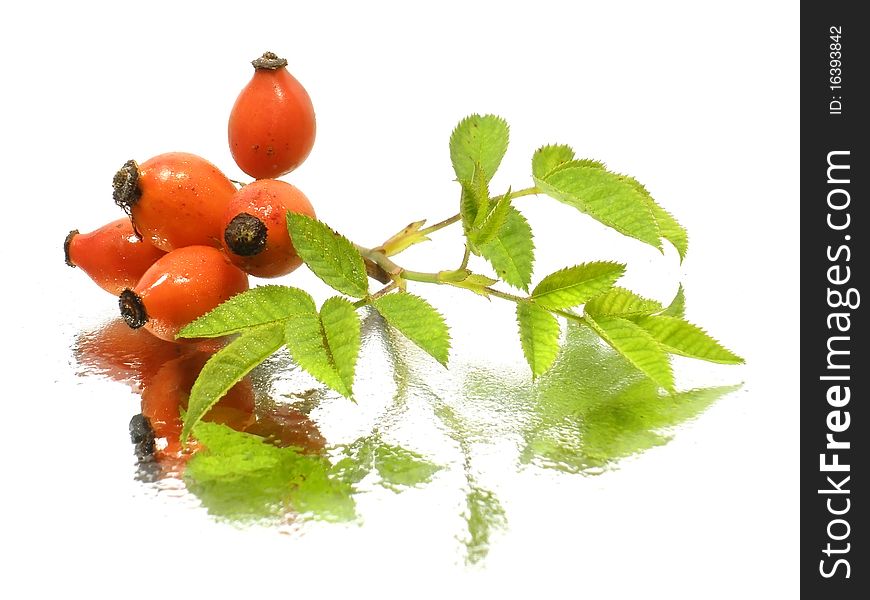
255 236
113 255
180 287
175 199
271 128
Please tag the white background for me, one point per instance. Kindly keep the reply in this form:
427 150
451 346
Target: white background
698 101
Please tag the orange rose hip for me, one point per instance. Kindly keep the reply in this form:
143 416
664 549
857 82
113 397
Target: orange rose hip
180 287
255 237
175 199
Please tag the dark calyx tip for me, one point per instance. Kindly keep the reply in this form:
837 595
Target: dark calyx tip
125 186
66 243
245 235
142 436
132 309
269 61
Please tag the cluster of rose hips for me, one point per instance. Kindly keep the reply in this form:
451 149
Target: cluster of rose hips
192 236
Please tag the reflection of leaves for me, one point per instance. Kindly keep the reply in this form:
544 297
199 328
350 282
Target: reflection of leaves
594 408
398 468
238 476
485 514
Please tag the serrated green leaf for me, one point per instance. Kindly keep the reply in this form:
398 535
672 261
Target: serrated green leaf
539 336
307 342
330 256
677 307
341 329
637 345
512 251
259 306
621 302
487 227
227 367
580 162
572 286
669 228
481 140
681 337
418 321
474 201
605 196
547 158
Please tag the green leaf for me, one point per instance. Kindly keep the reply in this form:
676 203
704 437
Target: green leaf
474 201
572 286
341 329
487 228
606 197
308 343
547 158
620 302
478 140
239 476
637 345
681 337
677 307
259 306
512 251
330 256
418 321
539 336
669 228
227 367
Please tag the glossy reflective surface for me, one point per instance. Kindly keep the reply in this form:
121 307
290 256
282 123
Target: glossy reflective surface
268 463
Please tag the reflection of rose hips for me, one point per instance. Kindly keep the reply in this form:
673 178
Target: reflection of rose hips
174 199
113 255
285 426
122 354
271 128
255 236
169 390
180 287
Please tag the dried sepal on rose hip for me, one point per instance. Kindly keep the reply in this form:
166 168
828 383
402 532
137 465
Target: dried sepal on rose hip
179 288
174 199
113 255
271 127
255 236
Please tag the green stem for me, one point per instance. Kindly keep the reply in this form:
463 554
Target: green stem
517 299
381 260
442 224
505 295
421 277
465 257
531 191
381 292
